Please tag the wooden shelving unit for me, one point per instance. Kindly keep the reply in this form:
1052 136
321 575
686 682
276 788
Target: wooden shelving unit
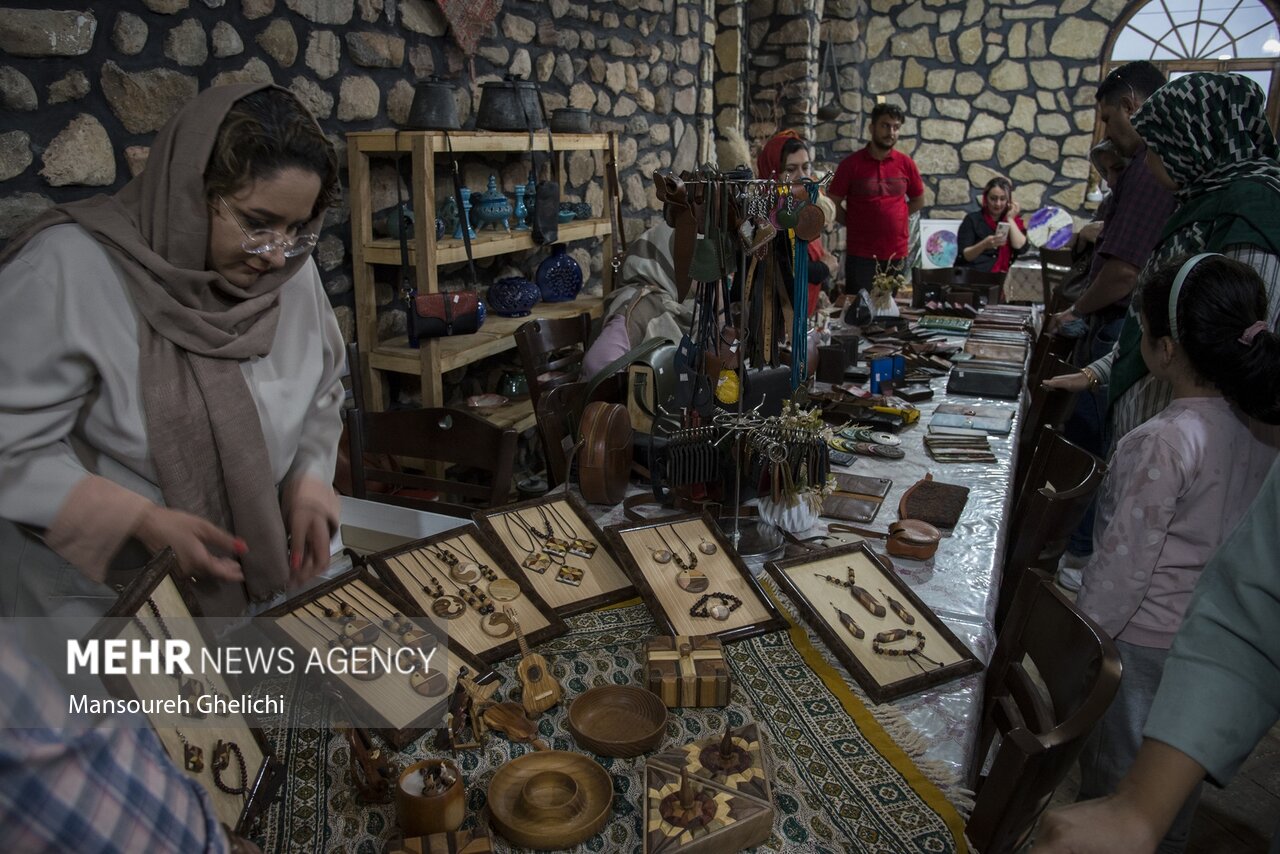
438 355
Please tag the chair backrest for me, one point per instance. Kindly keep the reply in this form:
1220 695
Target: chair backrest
1042 717
1059 484
1054 266
559 411
551 351
1047 344
436 434
1047 408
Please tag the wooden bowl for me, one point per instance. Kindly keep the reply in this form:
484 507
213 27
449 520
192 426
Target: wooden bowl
420 814
618 720
550 799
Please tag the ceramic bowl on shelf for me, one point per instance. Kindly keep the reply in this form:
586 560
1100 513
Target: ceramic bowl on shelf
513 296
565 216
486 401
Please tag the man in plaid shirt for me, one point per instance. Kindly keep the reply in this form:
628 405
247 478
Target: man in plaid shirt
92 790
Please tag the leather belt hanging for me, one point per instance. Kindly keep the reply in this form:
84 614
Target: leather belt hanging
615 208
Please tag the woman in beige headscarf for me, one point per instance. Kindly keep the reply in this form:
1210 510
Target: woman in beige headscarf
170 369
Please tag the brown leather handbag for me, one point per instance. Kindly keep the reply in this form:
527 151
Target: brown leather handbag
913 539
604 464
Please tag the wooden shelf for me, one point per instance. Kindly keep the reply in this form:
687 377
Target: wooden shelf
486 244
427 150
496 336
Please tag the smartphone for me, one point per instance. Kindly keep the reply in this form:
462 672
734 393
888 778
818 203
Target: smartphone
1002 231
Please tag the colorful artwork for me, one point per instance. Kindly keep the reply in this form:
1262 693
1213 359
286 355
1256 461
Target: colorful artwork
1050 228
938 241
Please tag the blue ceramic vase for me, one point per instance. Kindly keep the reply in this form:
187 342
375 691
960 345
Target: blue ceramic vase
513 296
493 208
559 276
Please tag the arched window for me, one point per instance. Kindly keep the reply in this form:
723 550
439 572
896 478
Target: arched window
1181 36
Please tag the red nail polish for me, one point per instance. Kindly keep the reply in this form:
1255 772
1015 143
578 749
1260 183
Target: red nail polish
240 546
295 560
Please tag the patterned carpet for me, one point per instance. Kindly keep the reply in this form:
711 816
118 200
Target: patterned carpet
841 783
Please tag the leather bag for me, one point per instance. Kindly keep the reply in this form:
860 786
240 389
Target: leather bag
912 538
451 313
604 464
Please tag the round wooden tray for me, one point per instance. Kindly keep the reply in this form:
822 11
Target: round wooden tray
618 720
550 799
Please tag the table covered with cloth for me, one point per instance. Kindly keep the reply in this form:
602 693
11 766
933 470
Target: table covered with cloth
848 776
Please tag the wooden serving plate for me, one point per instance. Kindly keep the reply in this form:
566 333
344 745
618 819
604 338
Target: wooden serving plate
550 799
618 720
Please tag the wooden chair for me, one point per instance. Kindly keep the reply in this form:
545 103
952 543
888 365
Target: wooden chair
559 411
929 284
1047 408
551 351
1054 266
1059 484
1041 719
1046 345
376 439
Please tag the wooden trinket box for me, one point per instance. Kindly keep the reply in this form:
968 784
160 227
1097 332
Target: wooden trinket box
455 842
713 796
687 670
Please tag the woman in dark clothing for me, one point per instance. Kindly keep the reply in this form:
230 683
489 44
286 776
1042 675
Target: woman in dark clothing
989 239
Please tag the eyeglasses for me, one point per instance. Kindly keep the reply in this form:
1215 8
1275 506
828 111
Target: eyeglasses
260 241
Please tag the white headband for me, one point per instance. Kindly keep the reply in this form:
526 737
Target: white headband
1177 288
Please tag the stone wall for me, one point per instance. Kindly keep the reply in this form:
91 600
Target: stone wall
989 87
83 91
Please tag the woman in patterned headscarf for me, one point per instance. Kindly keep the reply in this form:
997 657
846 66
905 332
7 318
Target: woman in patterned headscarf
1208 140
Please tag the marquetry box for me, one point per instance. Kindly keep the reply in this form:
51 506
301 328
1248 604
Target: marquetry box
687 670
457 842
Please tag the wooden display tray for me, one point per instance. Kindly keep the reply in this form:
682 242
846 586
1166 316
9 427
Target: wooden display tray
402 573
390 696
159 582
884 678
603 582
634 544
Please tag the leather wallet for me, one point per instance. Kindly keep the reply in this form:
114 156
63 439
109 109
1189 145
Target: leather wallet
857 498
979 383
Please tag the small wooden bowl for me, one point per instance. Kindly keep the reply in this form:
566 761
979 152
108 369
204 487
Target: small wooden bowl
618 720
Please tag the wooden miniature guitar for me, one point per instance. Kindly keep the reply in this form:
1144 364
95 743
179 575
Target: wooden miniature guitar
539 689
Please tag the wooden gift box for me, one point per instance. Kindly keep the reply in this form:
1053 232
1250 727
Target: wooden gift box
687 670
456 842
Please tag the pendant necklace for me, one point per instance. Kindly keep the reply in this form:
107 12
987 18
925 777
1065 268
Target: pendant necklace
192 756
578 544
443 605
689 578
470 571
492 622
864 598
534 560
915 652
222 753
189 687
340 639
395 625
423 681
551 544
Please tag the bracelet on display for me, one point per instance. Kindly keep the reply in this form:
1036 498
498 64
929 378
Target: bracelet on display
725 605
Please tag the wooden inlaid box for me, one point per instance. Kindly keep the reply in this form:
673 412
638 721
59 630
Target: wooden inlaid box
687 671
159 594
456 842
600 580
916 652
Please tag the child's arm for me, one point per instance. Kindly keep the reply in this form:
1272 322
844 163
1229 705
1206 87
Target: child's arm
1139 497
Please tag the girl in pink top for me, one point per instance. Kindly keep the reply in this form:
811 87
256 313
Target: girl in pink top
1178 485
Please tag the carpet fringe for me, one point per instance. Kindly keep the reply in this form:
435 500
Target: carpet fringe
941 774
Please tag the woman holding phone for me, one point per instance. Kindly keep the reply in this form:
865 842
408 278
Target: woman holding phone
990 238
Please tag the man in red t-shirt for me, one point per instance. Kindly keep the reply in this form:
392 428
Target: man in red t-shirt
878 189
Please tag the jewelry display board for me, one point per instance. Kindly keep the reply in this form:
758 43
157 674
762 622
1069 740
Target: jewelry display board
248 774
407 703
692 580
522 530
843 591
473 588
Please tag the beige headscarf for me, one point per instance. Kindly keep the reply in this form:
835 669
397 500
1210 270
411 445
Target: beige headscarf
202 424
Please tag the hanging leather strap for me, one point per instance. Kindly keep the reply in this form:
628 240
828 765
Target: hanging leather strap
462 213
407 283
615 207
